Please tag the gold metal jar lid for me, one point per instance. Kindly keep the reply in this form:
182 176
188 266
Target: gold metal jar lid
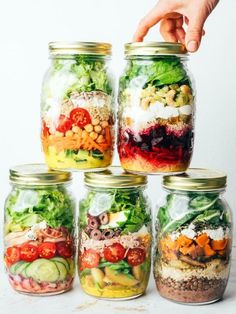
154 48
114 177
38 174
79 47
196 179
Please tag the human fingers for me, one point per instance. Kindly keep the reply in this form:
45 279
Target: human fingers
194 32
168 30
151 19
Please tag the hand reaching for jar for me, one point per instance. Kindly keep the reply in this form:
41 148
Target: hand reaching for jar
173 15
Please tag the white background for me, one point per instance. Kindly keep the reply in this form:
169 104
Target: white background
27 26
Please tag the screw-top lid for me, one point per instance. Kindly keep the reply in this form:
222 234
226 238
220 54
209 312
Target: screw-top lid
154 48
38 174
196 179
114 177
79 47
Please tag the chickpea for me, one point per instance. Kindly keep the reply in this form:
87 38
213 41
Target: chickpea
95 121
97 128
69 133
93 135
84 134
51 130
100 139
76 129
104 124
88 128
185 89
59 134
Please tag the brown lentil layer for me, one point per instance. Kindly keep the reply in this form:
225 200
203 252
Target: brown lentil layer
194 290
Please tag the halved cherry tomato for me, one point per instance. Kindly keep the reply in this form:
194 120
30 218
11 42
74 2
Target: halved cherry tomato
64 249
80 117
90 259
12 255
45 129
29 252
47 250
64 124
114 253
136 256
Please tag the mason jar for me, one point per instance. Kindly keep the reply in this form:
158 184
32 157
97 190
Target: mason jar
156 109
194 238
39 240
115 235
77 108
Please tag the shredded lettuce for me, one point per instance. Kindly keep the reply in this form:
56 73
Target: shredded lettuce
128 200
156 72
54 205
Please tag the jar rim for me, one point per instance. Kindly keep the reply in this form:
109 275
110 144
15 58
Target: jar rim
114 177
79 48
154 48
196 179
37 174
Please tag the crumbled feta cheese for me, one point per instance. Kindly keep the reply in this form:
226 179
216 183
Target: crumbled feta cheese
189 233
215 234
186 110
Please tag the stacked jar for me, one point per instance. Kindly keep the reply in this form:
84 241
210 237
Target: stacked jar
39 233
156 109
77 107
115 235
194 238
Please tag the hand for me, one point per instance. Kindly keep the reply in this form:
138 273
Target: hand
173 14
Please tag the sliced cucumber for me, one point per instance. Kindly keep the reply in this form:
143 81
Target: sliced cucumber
14 267
23 273
72 266
61 260
62 270
43 270
20 269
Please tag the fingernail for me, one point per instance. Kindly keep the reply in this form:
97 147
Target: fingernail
192 46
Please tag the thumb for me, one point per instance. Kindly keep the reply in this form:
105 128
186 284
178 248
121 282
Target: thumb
194 33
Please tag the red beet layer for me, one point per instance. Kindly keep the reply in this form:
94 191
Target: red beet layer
160 146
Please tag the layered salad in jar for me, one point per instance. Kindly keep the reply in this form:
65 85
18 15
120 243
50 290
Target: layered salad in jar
115 244
39 240
156 111
77 114
194 240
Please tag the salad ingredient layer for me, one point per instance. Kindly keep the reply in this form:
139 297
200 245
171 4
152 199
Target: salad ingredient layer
115 242
39 240
194 246
77 114
156 108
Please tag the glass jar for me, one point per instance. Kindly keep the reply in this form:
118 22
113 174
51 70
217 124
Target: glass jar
194 238
115 235
156 109
39 231
77 111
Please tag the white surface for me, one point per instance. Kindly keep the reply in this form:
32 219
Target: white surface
75 301
26 28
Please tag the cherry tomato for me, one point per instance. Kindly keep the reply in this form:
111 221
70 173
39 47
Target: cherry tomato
47 250
45 130
64 249
114 253
29 252
64 124
80 117
136 256
12 255
90 259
